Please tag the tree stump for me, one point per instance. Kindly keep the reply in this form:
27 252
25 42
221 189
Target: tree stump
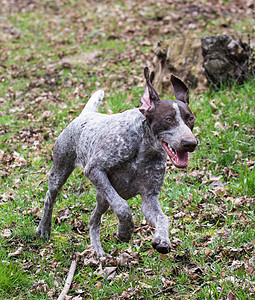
182 57
226 60
214 59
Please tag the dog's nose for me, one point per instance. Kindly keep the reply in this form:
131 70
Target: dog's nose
189 146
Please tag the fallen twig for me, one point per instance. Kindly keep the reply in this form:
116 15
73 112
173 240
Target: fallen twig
69 277
166 290
199 288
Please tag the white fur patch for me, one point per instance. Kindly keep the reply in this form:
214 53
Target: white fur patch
183 130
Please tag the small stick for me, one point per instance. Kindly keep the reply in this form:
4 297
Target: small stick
69 278
168 289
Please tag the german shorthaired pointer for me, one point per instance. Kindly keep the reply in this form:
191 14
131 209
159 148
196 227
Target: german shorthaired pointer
124 155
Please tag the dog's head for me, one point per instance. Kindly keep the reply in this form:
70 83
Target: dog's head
171 121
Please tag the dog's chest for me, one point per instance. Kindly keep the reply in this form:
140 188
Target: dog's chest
138 176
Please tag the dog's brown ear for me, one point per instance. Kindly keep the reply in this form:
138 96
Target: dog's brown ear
150 97
181 91
152 76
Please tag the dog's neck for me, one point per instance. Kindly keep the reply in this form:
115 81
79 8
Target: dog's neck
151 143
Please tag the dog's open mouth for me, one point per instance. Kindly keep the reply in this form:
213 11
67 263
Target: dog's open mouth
179 159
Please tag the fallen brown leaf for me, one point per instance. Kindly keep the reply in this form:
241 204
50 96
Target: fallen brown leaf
16 253
99 285
6 233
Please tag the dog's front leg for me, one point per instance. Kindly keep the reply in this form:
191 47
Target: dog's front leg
153 213
120 207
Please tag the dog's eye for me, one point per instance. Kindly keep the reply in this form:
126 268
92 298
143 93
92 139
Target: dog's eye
169 119
191 119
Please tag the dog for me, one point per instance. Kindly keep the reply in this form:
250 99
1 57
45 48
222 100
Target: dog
123 155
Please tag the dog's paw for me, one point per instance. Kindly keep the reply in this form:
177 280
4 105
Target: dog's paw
124 236
161 246
124 233
43 233
100 253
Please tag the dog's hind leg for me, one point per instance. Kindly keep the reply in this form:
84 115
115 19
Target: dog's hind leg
57 178
63 165
95 221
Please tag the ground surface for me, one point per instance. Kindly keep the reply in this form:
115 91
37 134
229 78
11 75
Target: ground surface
53 55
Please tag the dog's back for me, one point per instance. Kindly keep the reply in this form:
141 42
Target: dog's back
113 139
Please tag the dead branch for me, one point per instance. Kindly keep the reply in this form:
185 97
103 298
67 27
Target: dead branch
69 277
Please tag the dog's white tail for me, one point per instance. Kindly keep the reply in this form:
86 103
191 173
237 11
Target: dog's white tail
94 102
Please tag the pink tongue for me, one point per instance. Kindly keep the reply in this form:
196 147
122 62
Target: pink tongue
179 159
182 156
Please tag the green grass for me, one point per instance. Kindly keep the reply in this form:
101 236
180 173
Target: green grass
247 180
212 229
12 279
